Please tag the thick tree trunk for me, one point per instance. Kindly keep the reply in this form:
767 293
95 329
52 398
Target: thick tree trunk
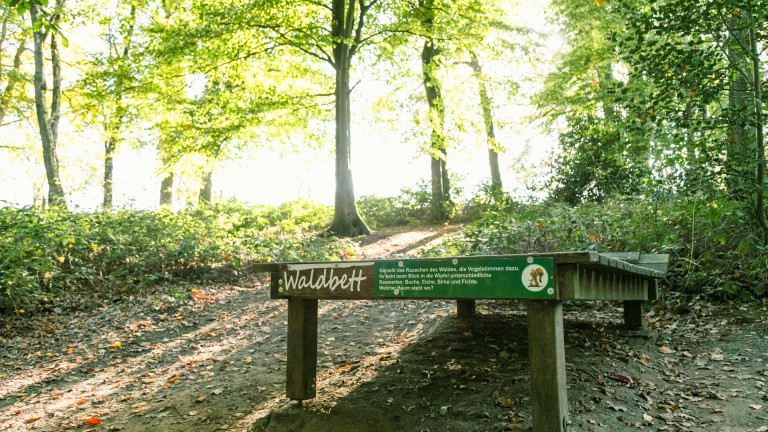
485 104
347 221
48 125
206 188
441 200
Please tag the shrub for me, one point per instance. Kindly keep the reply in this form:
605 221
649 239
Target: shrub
711 244
47 252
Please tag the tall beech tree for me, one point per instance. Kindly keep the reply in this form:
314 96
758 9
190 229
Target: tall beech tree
48 118
108 88
438 151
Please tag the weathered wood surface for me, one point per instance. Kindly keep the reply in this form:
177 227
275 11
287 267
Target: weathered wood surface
301 369
546 347
576 282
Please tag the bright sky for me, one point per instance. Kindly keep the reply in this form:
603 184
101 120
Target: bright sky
382 164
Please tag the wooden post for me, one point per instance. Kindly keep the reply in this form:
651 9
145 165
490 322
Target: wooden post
302 349
633 314
549 400
465 308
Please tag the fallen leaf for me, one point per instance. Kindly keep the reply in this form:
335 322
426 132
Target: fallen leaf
200 399
193 413
32 419
619 378
666 350
616 407
248 360
647 418
116 345
173 378
93 421
755 406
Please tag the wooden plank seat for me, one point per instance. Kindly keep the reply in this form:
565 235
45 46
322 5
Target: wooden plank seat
545 280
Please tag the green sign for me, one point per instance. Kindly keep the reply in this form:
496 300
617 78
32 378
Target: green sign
470 277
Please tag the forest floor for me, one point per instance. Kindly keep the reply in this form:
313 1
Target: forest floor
215 361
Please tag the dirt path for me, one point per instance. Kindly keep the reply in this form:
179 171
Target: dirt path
215 360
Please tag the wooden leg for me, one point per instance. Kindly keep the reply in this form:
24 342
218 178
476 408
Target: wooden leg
633 314
302 349
549 399
465 308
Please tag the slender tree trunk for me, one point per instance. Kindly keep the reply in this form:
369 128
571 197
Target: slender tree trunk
48 124
760 144
347 221
440 185
114 127
13 79
109 154
485 104
206 188
166 184
739 163
166 190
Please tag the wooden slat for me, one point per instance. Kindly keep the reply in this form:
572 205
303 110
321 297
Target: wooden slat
591 284
658 262
630 257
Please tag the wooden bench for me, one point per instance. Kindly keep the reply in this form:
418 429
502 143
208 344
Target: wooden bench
546 280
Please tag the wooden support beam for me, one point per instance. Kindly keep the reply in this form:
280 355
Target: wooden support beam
302 349
633 314
465 308
549 400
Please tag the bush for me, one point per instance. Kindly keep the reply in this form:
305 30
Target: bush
411 206
711 244
47 252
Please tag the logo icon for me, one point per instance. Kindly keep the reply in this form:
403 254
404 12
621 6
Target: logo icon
535 278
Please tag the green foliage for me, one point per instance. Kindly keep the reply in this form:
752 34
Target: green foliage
593 155
411 206
47 252
712 244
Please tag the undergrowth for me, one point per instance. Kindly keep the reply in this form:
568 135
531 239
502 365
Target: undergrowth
713 247
48 252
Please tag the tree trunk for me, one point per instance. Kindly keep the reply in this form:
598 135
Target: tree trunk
13 79
166 184
739 164
113 128
485 104
441 201
205 197
109 154
166 190
48 124
347 221
760 144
